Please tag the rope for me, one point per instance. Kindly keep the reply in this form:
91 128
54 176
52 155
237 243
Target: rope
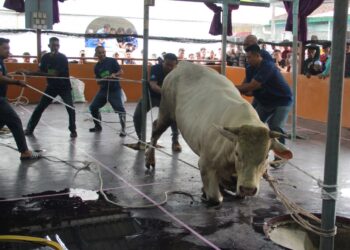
325 194
20 100
161 38
88 166
29 239
298 213
127 134
173 217
80 78
67 193
167 193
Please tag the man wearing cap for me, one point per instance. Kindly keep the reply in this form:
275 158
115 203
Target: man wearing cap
312 65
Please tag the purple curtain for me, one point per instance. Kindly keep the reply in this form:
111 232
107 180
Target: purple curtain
55 11
216 25
16 5
306 7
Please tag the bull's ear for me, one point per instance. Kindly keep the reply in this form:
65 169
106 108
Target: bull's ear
229 133
280 150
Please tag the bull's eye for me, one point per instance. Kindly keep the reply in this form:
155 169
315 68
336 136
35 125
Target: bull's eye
267 156
236 154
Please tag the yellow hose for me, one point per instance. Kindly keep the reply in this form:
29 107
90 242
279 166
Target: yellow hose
29 239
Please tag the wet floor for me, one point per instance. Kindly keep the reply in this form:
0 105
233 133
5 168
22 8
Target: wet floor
236 225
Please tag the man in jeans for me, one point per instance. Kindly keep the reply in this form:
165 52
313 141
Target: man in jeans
158 73
8 116
54 66
273 97
107 72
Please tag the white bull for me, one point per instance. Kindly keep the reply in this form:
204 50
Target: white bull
220 126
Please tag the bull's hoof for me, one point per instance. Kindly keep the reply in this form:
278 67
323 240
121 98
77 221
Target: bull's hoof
212 203
209 202
148 165
150 159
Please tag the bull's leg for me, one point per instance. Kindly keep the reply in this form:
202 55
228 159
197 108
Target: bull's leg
158 128
210 184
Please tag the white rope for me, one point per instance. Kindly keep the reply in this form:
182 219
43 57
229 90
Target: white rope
80 78
296 211
325 194
21 99
299 214
131 186
106 124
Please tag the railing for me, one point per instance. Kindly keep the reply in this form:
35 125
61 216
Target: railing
121 60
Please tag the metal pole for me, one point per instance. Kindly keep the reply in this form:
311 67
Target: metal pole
38 45
145 68
295 66
273 23
224 36
334 119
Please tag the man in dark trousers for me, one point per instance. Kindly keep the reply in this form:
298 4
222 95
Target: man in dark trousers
272 95
8 116
158 73
107 71
53 64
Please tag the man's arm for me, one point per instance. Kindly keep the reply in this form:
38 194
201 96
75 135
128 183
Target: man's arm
245 82
248 88
8 80
155 87
326 71
260 78
36 73
118 70
39 72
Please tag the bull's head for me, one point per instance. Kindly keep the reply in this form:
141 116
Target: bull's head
251 147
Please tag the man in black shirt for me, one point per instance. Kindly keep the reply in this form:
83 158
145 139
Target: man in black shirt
53 64
107 71
158 73
8 116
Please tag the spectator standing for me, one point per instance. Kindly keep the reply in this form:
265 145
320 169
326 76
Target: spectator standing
279 61
347 61
181 54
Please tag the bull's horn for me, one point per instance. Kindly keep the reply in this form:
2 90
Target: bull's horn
274 134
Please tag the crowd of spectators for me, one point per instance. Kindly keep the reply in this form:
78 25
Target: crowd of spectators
316 59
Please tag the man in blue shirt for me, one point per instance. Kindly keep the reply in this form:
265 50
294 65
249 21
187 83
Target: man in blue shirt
253 40
54 66
107 71
8 116
158 73
249 41
273 97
